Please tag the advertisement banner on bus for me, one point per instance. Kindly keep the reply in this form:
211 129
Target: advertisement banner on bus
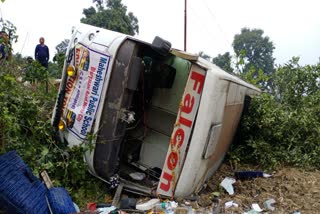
83 90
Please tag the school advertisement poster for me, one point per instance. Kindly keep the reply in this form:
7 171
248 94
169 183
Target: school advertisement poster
83 90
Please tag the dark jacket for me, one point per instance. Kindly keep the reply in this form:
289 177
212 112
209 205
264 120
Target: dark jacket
41 54
2 51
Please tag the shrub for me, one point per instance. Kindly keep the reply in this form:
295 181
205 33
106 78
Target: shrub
283 127
25 114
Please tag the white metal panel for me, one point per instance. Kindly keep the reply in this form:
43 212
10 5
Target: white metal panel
107 42
210 111
212 140
182 132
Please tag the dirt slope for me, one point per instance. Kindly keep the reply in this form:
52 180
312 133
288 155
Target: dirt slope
292 189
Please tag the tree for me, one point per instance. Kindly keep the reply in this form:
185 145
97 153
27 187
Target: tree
113 16
294 84
253 51
223 61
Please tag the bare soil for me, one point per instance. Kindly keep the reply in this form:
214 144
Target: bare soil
293 189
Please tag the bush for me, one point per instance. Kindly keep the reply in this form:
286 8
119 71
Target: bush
283 127
25 114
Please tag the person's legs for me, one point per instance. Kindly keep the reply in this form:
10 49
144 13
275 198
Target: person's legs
45 64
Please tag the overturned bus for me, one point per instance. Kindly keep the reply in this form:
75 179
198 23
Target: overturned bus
160 120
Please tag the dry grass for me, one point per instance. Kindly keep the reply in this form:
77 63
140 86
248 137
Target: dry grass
293 190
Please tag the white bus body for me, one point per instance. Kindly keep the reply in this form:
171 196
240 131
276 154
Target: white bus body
147 108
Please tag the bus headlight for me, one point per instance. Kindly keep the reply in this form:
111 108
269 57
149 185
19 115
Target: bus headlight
71 71
62 125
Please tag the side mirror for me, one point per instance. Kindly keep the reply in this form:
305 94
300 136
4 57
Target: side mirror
161 46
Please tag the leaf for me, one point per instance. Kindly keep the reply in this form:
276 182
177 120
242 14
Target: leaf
44 151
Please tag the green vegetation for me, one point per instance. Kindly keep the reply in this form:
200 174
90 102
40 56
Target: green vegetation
253 51
8 36
113 16
223 61
26 108
25 113
283 127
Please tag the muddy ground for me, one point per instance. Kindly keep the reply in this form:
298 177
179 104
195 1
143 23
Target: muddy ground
293 190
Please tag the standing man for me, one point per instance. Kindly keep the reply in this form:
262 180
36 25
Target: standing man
41 53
